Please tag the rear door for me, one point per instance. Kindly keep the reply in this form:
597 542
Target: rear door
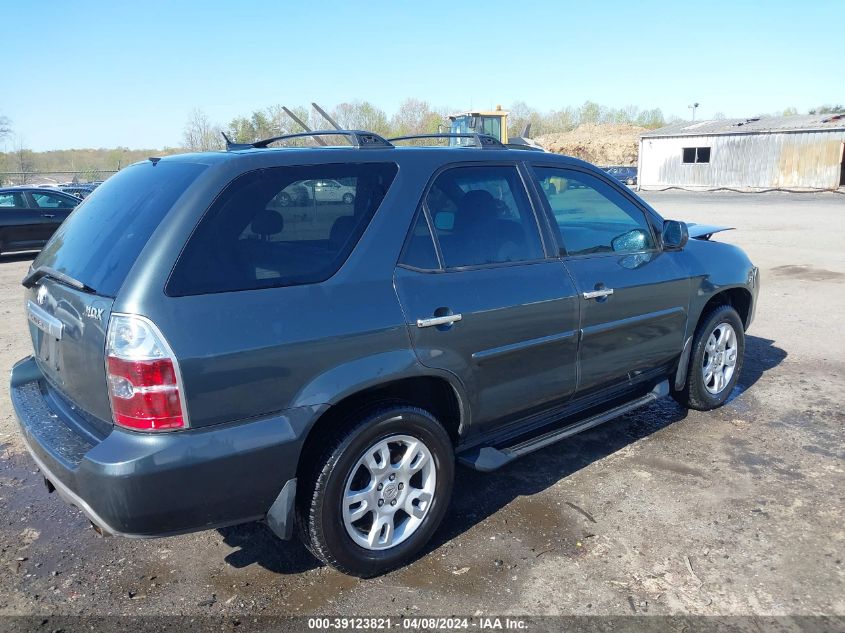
52 209
634 297
18 222
483 300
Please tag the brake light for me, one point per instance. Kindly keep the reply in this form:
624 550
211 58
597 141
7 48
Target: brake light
143 377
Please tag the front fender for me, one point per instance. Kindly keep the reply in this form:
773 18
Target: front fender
715 267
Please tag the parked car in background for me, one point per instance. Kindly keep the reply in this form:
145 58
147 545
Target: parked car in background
202 358
30 215
316 191
623 173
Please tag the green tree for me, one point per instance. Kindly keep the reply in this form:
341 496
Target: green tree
828 109
415 116
590 112
562 120
361 115
651 118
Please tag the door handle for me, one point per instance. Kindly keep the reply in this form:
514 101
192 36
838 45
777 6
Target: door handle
47 215
440 320
598 294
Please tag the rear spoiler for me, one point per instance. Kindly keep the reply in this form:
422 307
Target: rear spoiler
704 231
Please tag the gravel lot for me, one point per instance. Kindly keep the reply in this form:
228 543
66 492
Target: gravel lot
737 511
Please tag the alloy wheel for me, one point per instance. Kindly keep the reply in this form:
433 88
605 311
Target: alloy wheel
389 492
720 356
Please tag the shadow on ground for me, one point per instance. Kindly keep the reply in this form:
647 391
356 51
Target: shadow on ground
481 495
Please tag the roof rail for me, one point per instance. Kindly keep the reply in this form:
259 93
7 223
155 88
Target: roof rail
359 139
483 141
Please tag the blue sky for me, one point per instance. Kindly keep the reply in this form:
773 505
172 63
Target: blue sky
103 74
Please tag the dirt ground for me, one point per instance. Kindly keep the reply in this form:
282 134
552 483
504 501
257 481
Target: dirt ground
664 511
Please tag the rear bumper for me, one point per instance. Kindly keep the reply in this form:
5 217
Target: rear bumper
147 485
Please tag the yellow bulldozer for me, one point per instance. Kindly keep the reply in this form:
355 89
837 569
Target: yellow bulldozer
491 123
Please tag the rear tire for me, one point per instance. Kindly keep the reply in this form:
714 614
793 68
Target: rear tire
351 509
348 198
718 349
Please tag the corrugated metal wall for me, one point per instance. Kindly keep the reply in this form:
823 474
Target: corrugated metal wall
794 160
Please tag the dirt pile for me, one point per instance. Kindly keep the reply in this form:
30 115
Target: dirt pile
608 144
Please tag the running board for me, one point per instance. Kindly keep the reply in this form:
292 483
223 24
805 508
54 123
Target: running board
487 458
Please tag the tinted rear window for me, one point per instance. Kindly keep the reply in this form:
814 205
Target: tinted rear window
101 239
281 226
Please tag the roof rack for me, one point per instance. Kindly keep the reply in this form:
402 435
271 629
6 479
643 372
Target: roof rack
483 141
359 139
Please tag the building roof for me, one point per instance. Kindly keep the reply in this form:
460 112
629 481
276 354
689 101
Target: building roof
755 125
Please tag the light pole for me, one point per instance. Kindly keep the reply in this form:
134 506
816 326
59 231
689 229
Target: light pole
693 107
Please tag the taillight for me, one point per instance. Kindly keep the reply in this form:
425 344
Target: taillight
143 376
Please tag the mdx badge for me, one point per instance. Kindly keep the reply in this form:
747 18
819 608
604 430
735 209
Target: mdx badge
94 313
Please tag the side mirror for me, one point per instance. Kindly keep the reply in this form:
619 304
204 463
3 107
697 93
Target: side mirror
675 235
630 242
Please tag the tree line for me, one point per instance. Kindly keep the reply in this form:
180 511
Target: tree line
413 116
417 116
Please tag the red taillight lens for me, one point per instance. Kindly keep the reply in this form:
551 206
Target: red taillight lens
143 378
144 394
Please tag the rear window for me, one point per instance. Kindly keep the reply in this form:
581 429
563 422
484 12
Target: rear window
101 239
281 226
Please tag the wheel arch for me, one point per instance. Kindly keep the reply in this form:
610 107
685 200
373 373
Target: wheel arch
436 391
739 298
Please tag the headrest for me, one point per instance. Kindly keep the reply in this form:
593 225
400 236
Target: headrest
267 223
475 207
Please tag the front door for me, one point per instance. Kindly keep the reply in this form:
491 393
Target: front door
483 301
634 296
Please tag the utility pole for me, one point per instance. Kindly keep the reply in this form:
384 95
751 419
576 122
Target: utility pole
693 107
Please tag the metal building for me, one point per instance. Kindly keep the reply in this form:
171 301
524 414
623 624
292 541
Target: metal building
802 152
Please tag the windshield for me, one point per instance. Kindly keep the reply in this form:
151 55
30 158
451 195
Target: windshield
101 239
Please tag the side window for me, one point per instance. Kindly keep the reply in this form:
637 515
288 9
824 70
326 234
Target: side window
482 215
419 247
270 228
592 216
12 199
48 201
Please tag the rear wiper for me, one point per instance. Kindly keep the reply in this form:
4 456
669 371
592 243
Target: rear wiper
35 274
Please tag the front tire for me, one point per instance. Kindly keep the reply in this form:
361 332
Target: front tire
379 491
718 350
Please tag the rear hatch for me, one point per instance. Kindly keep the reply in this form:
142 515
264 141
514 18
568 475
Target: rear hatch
72 284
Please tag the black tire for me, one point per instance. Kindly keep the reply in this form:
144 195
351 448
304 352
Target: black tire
348 198
695 394
319 498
